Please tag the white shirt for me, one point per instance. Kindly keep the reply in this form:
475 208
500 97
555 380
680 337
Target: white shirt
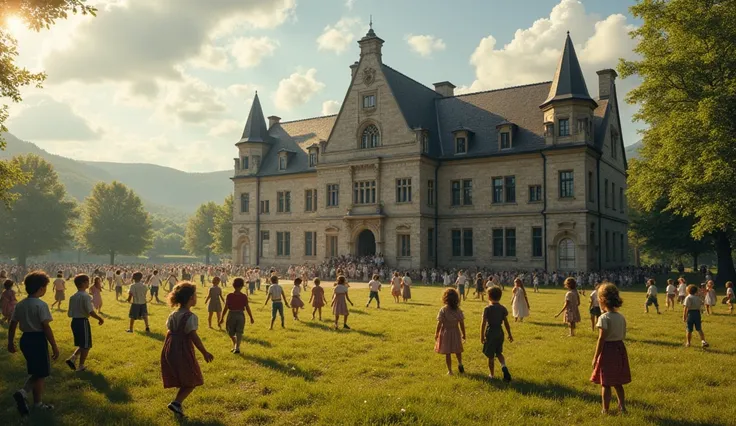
276 292
594 299
652 291
682 289
30 313
374 285
138 291
461 280
614 324
692 303
155 281
407 281
671 289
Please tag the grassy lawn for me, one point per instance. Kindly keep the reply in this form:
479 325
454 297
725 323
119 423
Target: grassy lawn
384 370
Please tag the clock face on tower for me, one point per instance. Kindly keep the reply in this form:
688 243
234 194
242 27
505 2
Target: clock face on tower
369 76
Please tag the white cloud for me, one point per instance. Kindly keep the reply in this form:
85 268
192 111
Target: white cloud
297 89
227 128
425 45
241 91
349 4
337 38
191 101
45 118
330 107
250 51
212 58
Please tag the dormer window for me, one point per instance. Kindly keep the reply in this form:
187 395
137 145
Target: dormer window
506 130
549 130
244 163
462 139
369 101
564 127
282 162
425 143
370 138
505 140
312 159
461 145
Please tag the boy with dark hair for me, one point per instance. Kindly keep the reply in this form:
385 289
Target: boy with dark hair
491 334
236 304
154 281
137 295
80 309
32 315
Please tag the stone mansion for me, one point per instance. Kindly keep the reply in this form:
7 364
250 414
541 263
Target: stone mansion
527 177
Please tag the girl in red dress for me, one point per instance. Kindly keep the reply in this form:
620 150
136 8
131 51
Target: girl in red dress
179 366
611 362
318 298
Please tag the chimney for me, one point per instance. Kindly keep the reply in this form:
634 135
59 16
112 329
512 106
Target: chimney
353 69
273 120
606 79
371 44
445 88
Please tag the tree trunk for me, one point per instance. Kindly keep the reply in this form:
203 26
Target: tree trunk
207 257
726 271
112 257
637 256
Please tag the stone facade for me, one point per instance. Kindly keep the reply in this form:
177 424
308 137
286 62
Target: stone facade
550 196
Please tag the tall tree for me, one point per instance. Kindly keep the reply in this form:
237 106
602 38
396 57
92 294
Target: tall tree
687 98
198 239
114 222
42 218
36 14
222 234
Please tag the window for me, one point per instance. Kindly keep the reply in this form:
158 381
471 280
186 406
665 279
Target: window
621 246
332 245
283 204
590 187
333 195
505 140
425 143
371 138
613 195
310 200
464 197
244 202
467 192
369 101
567 189
605 192
244 163
430 243
283 244
582 125
460 146
457 243
497 242
312 159
265 236
621 199
403 190
404 245
613 242
549 130
264 207
535 193
564 127
310 244
511 242
467 242
282 162
504 189
364 192
566 255
537 242
497 189
608 248
462 242
256 161
510 184
430 192
455 193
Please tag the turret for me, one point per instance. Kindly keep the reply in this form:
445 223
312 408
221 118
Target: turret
255 142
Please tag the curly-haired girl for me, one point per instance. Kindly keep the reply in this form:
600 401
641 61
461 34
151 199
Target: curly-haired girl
611 362
179 366
447 336
571 308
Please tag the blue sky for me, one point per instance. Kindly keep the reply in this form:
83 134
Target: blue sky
170 82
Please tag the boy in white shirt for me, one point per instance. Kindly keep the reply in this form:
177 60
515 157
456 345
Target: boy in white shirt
671 292
681 290
691 315
80 309
155 282
651 296
374 286
595 306
137 295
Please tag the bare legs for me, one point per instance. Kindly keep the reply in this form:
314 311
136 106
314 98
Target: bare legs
448 362
606 398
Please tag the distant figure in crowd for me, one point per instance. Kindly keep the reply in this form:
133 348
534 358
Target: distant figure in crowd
339 307
671 292
571 308
651 296
374 286
730 297
296 298
595 307
8 300
692 317
710 297
406 287
276 296
214 301
96 293
317 299
519 301
59 290
396 287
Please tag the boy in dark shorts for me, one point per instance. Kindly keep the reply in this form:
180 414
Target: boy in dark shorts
137 295
32 315
236 304
491 334
80 309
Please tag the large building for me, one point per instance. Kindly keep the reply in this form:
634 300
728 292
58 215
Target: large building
527 177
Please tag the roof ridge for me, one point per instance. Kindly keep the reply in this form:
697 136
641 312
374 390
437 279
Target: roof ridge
411 79
500 89
308 118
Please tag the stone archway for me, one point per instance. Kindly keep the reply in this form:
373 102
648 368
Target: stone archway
365 243
245 254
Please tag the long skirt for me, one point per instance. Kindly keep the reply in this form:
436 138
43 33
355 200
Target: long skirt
612 365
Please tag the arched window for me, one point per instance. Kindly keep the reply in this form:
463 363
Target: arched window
566 254
370 138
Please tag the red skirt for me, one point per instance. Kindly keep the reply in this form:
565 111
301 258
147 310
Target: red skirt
179 366
612 365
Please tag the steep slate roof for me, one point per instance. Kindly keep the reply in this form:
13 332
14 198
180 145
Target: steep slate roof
311 130
568 82
600 119
255 128
483 111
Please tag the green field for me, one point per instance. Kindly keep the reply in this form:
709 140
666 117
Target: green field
384 370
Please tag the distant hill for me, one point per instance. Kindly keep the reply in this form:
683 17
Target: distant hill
632 151
164 190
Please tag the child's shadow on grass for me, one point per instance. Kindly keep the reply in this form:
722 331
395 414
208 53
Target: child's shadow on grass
677 345
357 312
152 335
109 317
548 324
256 341
326 327
287 369
98 381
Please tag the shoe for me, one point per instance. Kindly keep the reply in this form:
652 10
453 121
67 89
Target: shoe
43 406
128 331
687 345
236 351
148 330
20 400
345 326
506 374
175 407
460 368
705 344
71 365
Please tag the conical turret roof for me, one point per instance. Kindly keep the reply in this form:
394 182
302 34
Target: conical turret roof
255 128
569 82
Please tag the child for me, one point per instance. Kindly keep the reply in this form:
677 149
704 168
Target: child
80 309
296 298
8 300
154 282
611 362
374 286
32 315
730 297
235 304
710 297
318 298
339 307
519 301
396 287
691 315
491 333
448 338
137 295
479 287
460 283
59 289
651 296
179 366
681 290
118 279
214 301
405 287
594 307
96 292
572 305
276 295
671 291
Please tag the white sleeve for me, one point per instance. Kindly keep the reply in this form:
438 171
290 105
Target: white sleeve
192 324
